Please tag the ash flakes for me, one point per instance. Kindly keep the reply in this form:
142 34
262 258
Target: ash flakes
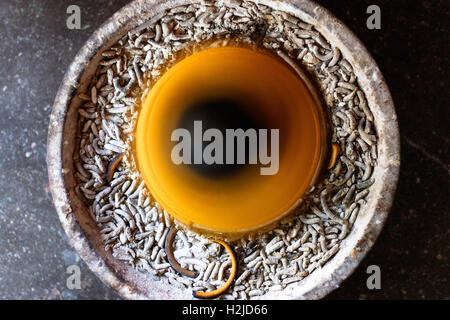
133 226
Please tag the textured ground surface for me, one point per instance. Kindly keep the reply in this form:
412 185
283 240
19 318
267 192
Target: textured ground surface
412 51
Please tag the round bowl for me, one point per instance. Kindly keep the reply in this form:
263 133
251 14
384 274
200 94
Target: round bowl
127 281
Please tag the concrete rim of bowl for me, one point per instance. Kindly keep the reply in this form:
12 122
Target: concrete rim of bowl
129 283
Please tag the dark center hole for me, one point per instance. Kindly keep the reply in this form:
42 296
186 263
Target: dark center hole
219 113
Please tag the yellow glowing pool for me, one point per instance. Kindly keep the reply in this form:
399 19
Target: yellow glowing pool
241 88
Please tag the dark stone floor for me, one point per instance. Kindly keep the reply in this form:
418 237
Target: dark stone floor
412 50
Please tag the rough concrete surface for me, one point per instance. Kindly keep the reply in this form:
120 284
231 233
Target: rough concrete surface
411 50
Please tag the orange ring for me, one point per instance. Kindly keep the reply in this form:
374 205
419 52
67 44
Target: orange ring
112 166
234 266
171 258
334 154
